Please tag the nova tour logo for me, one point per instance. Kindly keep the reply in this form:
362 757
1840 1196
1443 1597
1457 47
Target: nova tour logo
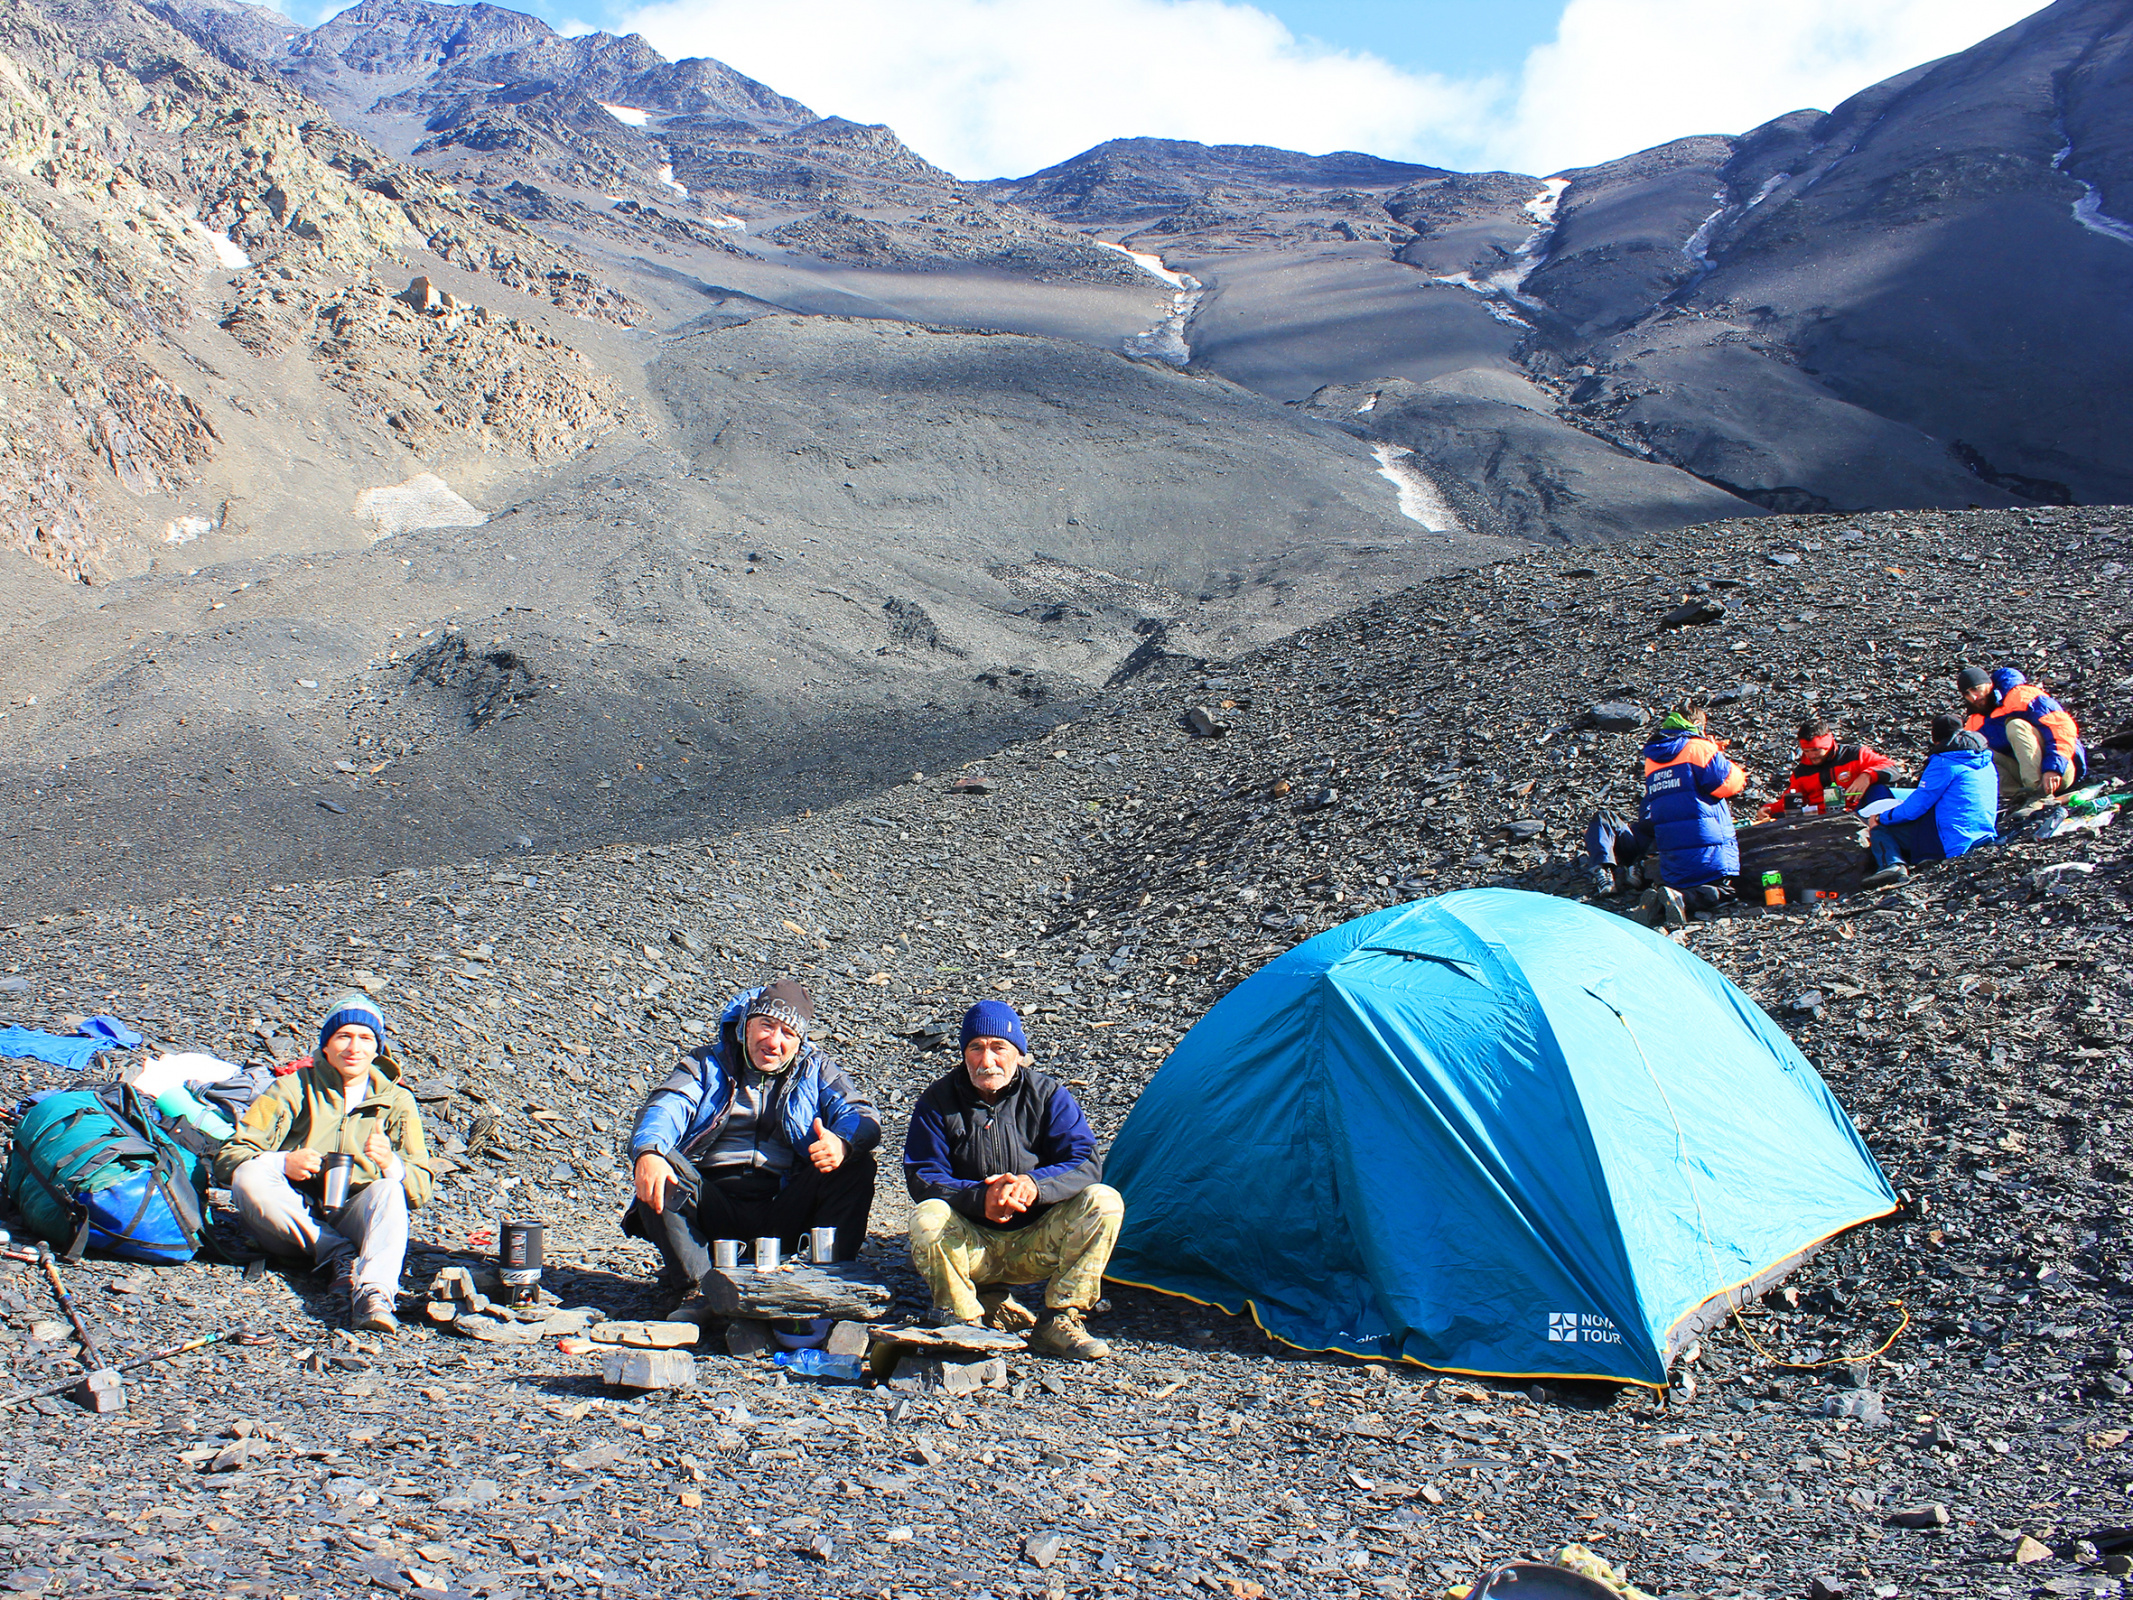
1581 1327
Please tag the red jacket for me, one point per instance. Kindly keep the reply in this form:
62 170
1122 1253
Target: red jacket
1831 773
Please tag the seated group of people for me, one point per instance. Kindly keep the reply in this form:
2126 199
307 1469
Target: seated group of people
758 1133
2012 739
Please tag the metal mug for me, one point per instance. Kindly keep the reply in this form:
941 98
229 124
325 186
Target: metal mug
766 1254
821 1245
726 1253
336 1170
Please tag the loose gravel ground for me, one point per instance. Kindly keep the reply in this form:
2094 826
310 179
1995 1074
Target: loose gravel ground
1113 880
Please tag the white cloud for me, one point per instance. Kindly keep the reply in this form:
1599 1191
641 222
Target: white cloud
988 88
1623 75
992 87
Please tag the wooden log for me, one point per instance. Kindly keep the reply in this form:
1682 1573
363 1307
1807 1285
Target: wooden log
796 1294
1812 851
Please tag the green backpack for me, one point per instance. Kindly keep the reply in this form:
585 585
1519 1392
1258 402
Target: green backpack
93 1169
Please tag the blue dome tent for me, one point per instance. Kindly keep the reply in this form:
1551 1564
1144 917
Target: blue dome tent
1495 1133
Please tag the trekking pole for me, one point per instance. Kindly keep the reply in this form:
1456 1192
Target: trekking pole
175 1350
101 1388
66 1304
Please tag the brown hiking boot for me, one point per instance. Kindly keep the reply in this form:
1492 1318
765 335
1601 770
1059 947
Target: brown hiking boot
1065 1335
372 1312
1004 1313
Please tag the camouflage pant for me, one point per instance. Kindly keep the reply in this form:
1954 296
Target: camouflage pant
1070 1245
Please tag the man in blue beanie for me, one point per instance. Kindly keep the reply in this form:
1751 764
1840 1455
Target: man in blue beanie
1004 1168
346 1100
757 1134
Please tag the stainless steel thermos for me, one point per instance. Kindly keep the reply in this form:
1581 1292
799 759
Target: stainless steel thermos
336 1170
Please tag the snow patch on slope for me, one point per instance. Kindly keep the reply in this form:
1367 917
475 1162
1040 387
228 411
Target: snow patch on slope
184 530
423 501
1501 288
1150 263
226 249
628 116
2088 210
1166 340
1420 499
1698 245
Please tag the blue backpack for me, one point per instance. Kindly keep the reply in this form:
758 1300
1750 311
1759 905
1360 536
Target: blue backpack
94 1169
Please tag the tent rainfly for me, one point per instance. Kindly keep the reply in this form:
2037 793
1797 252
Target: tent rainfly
1494 1133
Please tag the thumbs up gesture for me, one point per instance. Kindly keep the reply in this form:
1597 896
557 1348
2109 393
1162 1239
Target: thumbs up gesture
827 1150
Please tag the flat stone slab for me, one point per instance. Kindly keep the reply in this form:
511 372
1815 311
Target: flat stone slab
958 1338
498 1330
649 1369
797 1293
645 1335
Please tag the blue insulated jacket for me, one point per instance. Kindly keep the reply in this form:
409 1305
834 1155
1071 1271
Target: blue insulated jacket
1687 781
683 1115
1961 789
2016 699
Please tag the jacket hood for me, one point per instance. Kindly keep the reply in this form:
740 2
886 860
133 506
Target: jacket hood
2006 678
729 1035
1665 746
1966 749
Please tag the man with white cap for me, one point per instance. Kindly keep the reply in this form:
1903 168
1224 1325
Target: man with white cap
1005 1170
347 1100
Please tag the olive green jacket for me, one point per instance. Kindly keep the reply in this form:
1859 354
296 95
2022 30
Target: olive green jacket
305 1110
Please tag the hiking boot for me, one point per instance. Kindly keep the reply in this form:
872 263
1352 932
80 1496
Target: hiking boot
692 1307
1604 886
1648 910
942 1317
1004 1313
373 1312
1063 1334
343 1281
1895 872
1673 912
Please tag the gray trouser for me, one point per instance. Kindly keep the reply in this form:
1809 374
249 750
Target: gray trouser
284 1221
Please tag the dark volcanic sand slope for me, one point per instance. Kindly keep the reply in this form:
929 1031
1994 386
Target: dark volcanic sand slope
1117 878
872 547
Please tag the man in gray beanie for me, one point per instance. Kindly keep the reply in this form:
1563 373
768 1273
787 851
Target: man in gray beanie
756 1134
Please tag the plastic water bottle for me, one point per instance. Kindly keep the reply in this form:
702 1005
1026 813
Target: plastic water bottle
821 1364
179 1101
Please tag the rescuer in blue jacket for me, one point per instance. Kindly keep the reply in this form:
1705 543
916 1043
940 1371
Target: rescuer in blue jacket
1687 782
1682 817
1950 813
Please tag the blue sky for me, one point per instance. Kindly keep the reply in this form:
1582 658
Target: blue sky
1467 38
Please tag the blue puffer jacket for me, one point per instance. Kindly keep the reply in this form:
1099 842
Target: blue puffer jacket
683 1115
2016 699
1961 788
1687 781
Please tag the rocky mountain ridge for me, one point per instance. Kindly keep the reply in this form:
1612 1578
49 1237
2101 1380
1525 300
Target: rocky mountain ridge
714 419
